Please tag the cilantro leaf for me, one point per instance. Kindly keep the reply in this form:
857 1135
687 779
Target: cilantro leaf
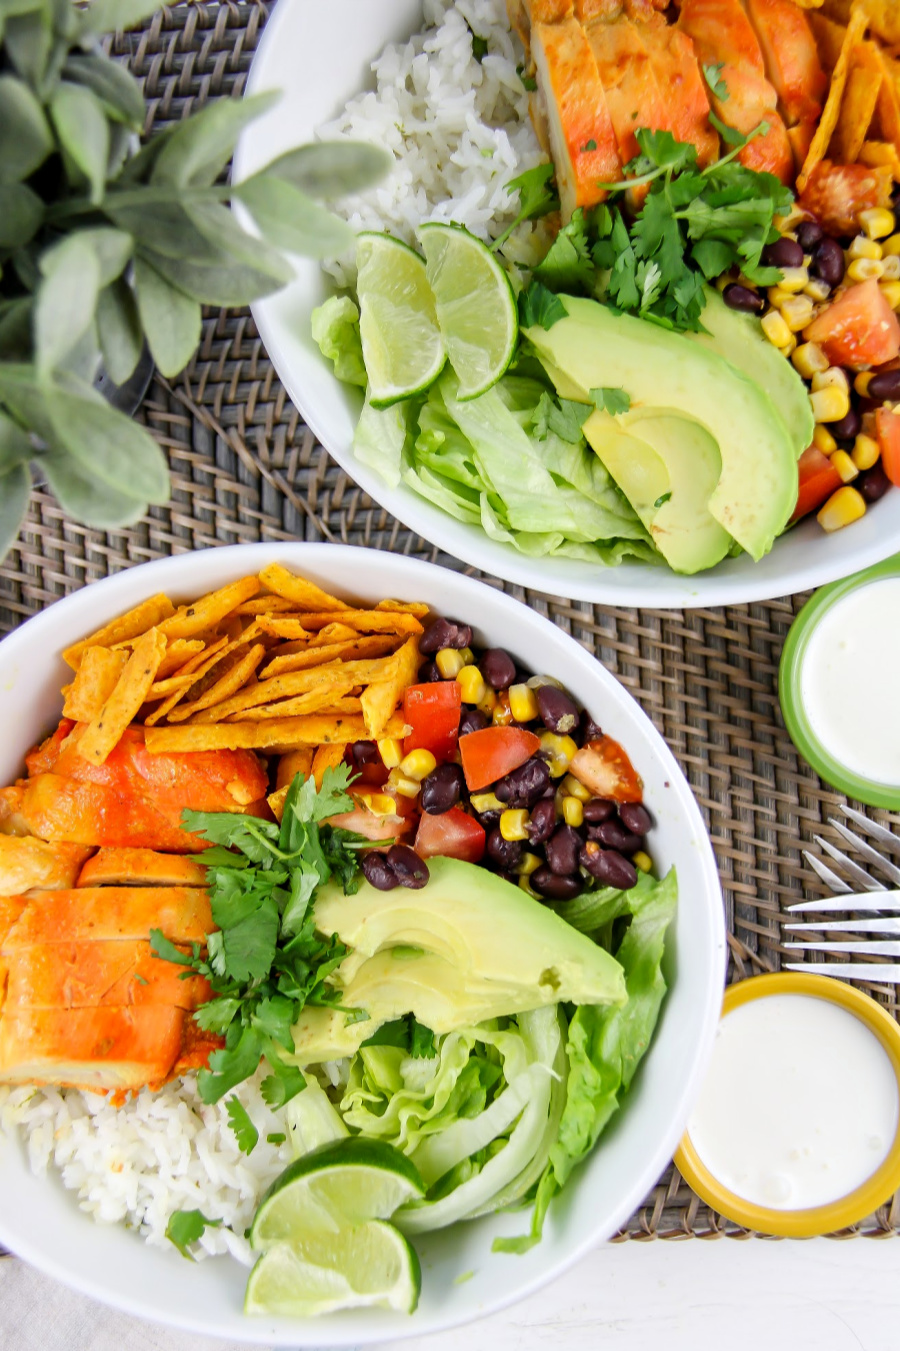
249 834
284 1083
614 400
245 1132
565 418
568 265
275 1017
662 500
536 198
712 75
217 1015
730 135
187 1226
528 81
276 1138
538 305
161 947
479 45
231 1065
394 1033
421 1040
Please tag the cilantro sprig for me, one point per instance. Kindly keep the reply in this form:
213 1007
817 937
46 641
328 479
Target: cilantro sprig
265 961
186 1227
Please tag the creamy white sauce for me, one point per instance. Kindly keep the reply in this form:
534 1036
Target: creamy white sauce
800 1105
850 678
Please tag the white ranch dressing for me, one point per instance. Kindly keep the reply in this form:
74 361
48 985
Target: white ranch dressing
800 1105
849 681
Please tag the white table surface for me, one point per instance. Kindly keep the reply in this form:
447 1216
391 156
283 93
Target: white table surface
739 1295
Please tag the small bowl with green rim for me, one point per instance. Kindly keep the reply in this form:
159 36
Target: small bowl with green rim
871 791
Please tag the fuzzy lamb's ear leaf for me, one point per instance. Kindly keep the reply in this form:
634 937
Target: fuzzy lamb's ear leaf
83 133
171 320
66 301
21 213
200 148
219 227
119 330
15 447
164 227
224 284
116 16
25 136
15 490
290 220
23 395
114 86
330 168
87 499
111 248
28 43
15 329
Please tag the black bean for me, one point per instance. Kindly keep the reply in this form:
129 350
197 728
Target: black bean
409 870
504 853
429 674
874 483
488 819
555 886
609 867
809 232
590 730
542 821
444 633
739 297
562 850
525 785
498 668
378 871
558 711
847 428
635 817
828 261
613 835
473 720
598 809
784 253
884 385
442 789
365 753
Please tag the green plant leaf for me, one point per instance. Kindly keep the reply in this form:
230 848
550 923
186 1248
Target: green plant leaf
15 490
330 168
15 329
136 168
15 446
290 220
170 319
111 248
21 213
66 301
116 16
116 87
86 499
221 231
200 148
105 444
218 284
119 330
23 395
25 136
83 133
164 227
28 42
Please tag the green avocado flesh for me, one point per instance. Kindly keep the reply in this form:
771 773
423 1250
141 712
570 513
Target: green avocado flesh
466 947
658 369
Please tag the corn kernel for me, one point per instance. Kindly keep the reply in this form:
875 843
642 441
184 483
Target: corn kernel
861 247
861 383
574 788
523 703
845 466
891 292
865 452
823 440
573 811
527 887
450 661
502 714
418 765
488 702
561 750
891 265
528 864
877 222
380 804
513 824
788 351
865 269
775 329
391 752
817 289
809 358
829 405
785 224
471 684
891 246
776 296
797 312
835 375
842 508
404 786
487 802
793 279
642 861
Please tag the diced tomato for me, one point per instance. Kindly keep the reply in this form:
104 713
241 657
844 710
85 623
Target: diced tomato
887 430
490 754
836 193
377 825
604 768
857 329
454 834
432 712
818 480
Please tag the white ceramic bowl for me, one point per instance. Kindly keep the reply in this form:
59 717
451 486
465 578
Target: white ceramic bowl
318 55
40 1220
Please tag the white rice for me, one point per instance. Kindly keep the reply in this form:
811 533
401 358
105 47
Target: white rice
458 130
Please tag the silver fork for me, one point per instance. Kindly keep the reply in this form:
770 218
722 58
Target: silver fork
883 904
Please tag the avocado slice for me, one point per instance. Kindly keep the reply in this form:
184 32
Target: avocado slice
668 467
466 947
757 488
739 339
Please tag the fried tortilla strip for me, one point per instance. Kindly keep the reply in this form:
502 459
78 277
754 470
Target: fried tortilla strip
178 653
304 594
332 679
29 864
363 621
829 38
333 633
94 682
281 733
883 16
349 704
265 605
881 155
887 114
276 802
189 620
227 685
286 662
381 699
317 701
292 764
149 614
408 607
326 757
861 96
199 669
105 730
830 113
284 626
120 867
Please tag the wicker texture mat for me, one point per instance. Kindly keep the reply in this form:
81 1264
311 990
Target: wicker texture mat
245 468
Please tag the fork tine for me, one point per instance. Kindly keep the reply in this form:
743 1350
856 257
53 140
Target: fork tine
876 859
859 875
848 926
873 972
882 948
878 832
830 879
880 900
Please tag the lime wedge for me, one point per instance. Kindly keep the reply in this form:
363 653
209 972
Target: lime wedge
476 308
369 1266
401 341
343 1184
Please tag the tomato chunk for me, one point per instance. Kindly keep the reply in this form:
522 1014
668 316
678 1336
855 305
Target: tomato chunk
432 712
604 767
490 754
857 329
887 430
818 480
454 834
376 826
836 193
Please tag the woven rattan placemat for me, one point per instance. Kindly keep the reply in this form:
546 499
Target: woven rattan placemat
245 468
